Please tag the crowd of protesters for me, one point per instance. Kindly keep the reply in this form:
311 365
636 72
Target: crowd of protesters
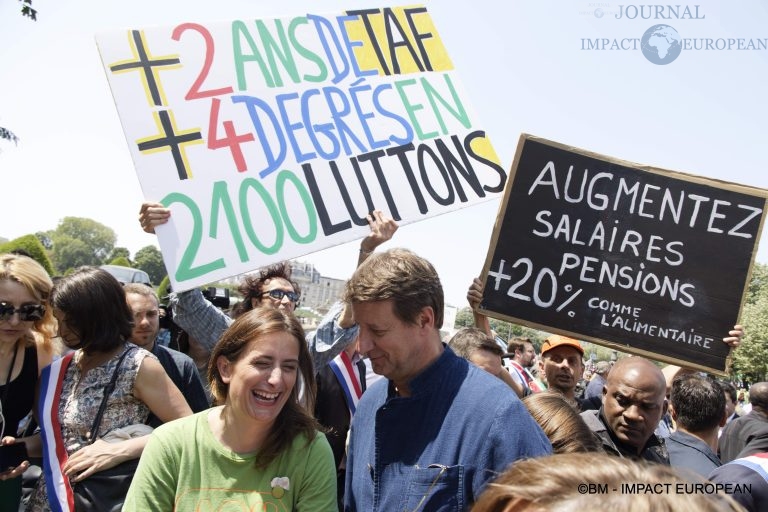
371 411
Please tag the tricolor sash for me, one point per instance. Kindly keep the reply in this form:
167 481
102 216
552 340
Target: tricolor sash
54 453
757 463
528 379
346 372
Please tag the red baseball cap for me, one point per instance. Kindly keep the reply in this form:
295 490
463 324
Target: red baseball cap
558 341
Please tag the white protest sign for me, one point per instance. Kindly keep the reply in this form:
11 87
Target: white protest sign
274 138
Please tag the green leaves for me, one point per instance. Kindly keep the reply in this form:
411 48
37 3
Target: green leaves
27 10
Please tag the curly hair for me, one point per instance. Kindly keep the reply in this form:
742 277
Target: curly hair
252 286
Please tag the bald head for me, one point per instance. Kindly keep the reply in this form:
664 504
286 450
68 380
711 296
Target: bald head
758 395
634 400
653 379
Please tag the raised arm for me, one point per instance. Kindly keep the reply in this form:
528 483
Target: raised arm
338 328
474 296
201 319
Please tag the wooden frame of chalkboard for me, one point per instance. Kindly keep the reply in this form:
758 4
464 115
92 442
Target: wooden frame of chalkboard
639 259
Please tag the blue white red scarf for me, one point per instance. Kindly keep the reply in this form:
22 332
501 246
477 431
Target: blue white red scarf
757 463
528 380
55 454
349 379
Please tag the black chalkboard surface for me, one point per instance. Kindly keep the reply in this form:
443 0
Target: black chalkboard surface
644 260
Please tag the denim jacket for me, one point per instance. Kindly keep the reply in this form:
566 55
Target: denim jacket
436 449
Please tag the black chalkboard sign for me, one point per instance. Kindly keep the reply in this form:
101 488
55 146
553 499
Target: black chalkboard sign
643 260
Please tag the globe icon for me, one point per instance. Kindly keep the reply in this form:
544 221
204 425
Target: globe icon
661 44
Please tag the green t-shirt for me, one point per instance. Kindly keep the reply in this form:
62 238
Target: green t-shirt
184 467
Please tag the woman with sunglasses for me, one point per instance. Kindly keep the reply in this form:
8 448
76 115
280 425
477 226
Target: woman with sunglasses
27 329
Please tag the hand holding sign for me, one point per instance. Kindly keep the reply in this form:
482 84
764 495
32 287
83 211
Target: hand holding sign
152 215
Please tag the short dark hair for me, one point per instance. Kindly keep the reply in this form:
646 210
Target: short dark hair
758 395
699 402
518 344
252 286
94 305
729 389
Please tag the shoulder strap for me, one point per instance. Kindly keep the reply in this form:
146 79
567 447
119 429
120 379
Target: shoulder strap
93 434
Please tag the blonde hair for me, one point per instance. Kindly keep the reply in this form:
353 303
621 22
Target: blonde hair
561 483
32 276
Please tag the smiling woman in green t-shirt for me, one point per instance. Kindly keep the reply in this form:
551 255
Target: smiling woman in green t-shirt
260 450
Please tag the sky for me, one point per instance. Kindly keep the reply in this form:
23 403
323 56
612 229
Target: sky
528 66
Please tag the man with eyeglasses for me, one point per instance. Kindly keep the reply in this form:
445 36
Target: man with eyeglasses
144 305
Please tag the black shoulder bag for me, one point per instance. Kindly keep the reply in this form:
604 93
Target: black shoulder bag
105 491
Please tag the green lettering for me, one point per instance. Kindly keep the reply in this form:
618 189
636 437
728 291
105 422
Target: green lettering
282 51
306 198
459 112
271 208
221 196
240 32
322 73
186 271
412 108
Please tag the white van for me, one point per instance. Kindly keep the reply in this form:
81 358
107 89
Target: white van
128 274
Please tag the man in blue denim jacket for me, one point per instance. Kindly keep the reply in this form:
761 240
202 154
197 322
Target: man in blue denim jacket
432 434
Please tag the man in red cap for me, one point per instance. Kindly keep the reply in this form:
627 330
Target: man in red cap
562 366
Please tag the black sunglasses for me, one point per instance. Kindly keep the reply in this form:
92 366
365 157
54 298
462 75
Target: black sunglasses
279 294
27 312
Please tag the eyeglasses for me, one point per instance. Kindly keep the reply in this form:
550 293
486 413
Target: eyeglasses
279 294
27 312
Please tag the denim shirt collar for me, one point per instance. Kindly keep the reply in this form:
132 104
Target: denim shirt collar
432 378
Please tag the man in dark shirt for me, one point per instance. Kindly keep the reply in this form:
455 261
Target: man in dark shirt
698 408
180 368
751 429
634 399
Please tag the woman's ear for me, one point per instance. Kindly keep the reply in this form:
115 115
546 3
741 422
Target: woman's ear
225 369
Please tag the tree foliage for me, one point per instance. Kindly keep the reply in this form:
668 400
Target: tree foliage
32 246
45 240
27 10
750 360
8 135
150 260
163 289
70 253
505 330
79 241
120 252
121 261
